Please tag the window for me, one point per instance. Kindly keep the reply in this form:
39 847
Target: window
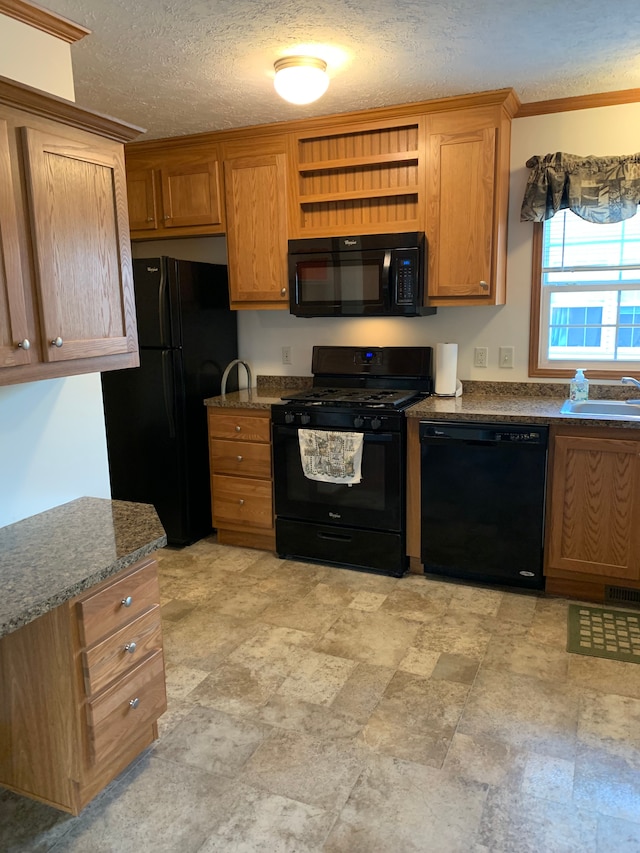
586 294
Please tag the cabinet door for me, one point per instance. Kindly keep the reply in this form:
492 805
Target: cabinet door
14 343
141 197
461 177
80 232
190 191
595 501
257 231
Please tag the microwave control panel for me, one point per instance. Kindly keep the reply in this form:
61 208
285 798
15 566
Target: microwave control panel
406 275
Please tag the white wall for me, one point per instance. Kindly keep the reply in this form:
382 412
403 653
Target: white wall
262 334
36 58
52 437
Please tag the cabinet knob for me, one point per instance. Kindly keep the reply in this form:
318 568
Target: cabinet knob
239 458
484 285
131 647
241 502
127 602
149 218
166 217
133 703
238 429
25 344
283 292
57 342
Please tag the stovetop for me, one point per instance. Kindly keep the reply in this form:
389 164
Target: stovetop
378 398
364 388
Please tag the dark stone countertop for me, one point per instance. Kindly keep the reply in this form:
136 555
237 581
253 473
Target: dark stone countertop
508 402
51 557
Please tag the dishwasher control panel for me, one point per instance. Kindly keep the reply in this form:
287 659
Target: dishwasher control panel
484 433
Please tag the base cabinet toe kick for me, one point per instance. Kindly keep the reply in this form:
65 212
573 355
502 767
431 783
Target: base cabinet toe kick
81 690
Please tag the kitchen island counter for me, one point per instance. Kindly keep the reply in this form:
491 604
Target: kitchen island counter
49 558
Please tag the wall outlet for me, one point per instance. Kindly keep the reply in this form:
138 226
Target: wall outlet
481 357
505 357
286 355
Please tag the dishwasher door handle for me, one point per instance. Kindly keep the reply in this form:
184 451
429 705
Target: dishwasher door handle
447 439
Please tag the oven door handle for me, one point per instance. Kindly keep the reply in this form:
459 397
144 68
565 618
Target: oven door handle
287 431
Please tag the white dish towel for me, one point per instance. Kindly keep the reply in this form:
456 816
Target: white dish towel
331 457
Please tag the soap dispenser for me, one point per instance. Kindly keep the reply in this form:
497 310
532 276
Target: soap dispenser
579 388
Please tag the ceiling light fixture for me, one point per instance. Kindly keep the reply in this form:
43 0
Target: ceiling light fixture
301 79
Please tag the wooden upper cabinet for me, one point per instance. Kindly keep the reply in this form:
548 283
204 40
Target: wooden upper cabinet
255 191
66 286
141 195
191 192
363 177
15 346
77 205
592 528
174 191
467 184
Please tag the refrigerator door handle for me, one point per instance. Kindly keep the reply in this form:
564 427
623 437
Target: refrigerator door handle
167 385
162 309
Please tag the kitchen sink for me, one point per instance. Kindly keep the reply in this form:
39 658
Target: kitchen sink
617 410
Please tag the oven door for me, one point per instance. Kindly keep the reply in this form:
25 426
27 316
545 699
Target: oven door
376 502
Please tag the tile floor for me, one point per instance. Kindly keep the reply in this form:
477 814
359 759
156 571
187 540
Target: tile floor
321 709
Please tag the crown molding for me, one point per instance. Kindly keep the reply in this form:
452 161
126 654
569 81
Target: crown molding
23 97
43 19
579 102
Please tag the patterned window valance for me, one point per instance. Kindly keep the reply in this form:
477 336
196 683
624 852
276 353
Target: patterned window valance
599 189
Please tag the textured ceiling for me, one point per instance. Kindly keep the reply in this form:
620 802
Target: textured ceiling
184 66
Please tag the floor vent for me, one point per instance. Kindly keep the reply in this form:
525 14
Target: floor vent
621 595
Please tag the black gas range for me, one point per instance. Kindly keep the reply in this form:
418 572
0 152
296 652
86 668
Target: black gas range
359 397
359 387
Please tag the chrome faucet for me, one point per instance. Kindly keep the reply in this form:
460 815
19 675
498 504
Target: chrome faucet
629 380
227 371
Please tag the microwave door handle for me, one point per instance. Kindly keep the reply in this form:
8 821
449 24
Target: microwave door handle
386 271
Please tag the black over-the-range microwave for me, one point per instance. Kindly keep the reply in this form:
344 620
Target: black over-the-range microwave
371 275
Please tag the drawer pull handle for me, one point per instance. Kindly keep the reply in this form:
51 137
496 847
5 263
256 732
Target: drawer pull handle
241 502
238 429
130 647
127 602
133 703
239 458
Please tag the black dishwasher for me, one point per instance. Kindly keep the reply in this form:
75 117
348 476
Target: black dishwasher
483 501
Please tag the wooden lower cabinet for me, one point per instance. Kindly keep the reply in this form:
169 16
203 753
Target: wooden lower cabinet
593 529
241 478
81 689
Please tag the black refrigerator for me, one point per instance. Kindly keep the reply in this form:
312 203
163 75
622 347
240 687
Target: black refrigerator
156 422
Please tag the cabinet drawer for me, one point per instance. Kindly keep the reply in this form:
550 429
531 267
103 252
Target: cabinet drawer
122 712
240 458
113 656
241 501
239 426
119 602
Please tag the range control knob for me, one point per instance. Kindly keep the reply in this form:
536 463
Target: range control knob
375 423
358 422
289 417
304 419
